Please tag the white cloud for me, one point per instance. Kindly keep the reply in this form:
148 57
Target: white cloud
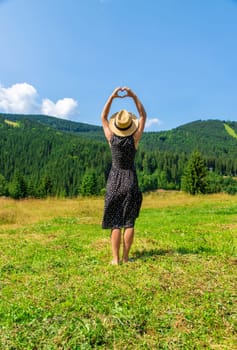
63 108
23 98
19 98
153 121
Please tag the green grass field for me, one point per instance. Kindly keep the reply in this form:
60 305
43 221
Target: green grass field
58 290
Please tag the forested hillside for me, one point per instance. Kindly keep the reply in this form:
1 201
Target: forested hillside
209 137
82 129
41 155
49 161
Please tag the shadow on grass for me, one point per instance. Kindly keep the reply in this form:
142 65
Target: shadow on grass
153 253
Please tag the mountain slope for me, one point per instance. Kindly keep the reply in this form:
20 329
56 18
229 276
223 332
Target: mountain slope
209 137
213 138
59 124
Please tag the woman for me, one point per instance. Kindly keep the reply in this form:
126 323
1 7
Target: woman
123 198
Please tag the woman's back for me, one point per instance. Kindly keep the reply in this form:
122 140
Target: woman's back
123 152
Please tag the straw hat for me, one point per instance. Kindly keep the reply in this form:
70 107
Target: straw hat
123 123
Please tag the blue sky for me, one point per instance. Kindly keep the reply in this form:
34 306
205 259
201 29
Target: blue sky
64 58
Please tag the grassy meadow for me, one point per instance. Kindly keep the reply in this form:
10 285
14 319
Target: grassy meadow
58 290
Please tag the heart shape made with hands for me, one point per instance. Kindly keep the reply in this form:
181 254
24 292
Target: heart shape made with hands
122 93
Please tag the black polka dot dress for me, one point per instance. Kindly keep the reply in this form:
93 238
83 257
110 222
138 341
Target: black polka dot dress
123 197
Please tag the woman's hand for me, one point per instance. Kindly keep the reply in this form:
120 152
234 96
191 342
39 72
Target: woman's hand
121 92
129 91
115 93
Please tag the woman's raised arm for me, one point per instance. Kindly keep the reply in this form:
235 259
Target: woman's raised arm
105 113
142 114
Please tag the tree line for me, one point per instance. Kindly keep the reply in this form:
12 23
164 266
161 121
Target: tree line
39 161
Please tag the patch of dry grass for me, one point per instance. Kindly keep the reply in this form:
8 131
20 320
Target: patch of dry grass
17 213
162 199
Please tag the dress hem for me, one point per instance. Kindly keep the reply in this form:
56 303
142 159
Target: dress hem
117 227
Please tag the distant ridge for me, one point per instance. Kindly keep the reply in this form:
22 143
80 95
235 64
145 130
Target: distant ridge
213 138
210 137
54 122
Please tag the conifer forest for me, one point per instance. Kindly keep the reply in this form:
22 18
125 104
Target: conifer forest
44 156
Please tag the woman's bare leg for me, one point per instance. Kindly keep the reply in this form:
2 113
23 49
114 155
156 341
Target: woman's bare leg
115 244
127 242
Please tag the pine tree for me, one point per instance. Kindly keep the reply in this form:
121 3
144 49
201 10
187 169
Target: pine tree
3 185
18 187
46 186
89 184
194 180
